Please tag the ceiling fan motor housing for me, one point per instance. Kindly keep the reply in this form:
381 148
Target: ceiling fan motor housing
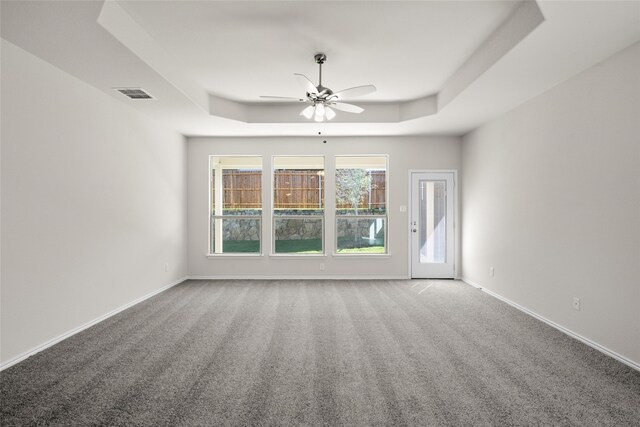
324 92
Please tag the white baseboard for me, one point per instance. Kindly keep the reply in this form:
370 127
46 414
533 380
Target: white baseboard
469 282
561 328
298 277
74 331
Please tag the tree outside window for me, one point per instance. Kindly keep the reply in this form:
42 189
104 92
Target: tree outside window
361 204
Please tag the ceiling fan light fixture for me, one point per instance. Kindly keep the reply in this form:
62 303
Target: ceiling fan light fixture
307 112
319 114
329 113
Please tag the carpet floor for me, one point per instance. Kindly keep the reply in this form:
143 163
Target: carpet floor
320 353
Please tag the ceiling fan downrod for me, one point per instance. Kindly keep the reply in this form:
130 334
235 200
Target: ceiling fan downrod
320 58
323 93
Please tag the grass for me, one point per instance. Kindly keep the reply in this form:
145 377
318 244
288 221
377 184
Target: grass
240 246
310 246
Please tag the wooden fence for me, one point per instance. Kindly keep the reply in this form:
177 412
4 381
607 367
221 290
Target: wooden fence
298 189
242 189
293 189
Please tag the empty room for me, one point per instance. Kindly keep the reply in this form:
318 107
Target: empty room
335 213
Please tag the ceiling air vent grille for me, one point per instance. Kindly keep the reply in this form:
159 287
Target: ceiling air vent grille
133 92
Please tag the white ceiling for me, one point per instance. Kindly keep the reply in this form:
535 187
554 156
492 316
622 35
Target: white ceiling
240 50
183 52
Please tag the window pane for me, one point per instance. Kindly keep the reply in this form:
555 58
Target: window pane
298 235
236 235
298 204
361 185
433 227
298 185
361 205
360 235
242 191
239 190
236 191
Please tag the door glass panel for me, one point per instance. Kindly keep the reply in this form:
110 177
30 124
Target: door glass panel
433 209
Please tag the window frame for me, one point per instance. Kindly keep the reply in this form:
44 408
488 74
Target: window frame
385 217
323 217
211 212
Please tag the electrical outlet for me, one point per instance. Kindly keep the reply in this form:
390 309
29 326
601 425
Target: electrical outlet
403 208
576 303
491 271
322 266
166 267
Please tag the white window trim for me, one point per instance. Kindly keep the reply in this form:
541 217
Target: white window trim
273 253
386 253
208 253
235 255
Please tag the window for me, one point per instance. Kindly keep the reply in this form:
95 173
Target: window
298 205
236 204
361 209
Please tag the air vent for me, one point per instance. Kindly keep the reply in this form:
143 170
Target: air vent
133 92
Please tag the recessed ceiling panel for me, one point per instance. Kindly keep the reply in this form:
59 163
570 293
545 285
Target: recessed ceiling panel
180 50
243 49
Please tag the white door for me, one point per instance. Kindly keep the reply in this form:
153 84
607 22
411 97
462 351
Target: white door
432 232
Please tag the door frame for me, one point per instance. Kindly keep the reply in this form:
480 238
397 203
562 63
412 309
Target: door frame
456 219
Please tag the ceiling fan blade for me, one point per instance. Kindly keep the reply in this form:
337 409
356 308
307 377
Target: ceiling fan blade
354 92
349 108
307 85
281 97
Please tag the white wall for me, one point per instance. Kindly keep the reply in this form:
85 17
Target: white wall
404 153
93 203
551 199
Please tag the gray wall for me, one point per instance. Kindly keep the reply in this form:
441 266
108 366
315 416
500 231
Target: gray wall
93 203
405 153
551 200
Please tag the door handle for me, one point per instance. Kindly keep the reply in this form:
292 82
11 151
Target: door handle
414 230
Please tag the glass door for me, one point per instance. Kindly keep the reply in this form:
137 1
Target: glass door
432 232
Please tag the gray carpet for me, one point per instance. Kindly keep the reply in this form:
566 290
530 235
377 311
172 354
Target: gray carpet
320 353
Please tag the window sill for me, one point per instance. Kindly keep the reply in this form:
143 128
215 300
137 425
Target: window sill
234 255
283 256
350 256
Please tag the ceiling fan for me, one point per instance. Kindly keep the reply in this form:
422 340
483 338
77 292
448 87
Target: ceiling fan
322 99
